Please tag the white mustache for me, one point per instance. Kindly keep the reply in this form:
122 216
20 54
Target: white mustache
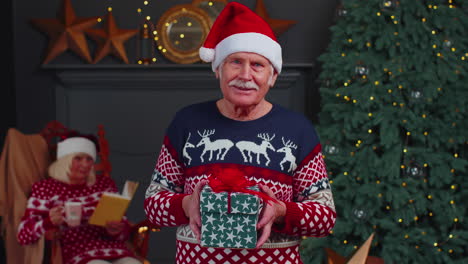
244 84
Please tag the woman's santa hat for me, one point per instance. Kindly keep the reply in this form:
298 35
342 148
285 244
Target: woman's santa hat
77 143
239 29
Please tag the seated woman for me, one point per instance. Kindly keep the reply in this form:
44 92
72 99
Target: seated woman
72 179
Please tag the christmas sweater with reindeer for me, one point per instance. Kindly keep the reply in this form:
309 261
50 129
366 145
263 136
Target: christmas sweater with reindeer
280 150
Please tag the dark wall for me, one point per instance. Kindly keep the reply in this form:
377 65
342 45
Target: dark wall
7 98
302 43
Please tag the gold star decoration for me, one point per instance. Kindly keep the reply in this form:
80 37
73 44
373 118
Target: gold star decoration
279 26
111 39
66 33
361 256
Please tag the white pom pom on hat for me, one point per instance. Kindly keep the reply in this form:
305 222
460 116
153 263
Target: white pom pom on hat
239 29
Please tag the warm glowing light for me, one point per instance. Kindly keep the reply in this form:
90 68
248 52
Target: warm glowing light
371 98
369 114
378 14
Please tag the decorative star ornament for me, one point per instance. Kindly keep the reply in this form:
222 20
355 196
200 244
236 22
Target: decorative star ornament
111 39
360 256
279 26
66 33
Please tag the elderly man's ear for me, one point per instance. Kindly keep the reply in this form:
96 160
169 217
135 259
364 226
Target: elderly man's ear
273 79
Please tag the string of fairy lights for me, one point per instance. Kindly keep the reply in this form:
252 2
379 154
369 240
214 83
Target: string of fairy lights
149 34
408 166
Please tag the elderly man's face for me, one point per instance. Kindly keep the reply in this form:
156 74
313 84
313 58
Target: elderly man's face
245 78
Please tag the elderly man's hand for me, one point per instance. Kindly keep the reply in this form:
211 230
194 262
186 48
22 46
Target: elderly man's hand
191 206
115 227
56 215
273 212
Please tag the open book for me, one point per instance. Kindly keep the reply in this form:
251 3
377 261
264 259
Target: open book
112 206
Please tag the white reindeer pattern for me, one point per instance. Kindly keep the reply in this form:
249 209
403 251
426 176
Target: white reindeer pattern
211 146
184 150
287 150
252 147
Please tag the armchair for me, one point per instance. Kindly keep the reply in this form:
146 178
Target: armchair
44 146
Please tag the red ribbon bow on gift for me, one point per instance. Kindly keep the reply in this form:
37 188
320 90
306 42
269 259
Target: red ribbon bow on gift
233 180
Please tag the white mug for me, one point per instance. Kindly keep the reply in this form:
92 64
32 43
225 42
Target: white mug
73 213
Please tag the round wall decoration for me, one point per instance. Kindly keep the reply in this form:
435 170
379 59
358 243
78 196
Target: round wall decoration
181 31
211 7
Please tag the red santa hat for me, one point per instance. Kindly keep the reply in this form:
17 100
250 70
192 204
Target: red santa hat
77 143
239 29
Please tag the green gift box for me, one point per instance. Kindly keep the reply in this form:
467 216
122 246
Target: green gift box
229 220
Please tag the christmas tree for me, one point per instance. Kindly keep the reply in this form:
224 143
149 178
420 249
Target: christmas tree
393 127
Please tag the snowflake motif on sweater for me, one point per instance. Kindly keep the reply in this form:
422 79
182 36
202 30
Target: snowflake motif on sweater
280 150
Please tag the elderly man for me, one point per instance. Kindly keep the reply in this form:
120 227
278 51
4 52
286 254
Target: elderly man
276 148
